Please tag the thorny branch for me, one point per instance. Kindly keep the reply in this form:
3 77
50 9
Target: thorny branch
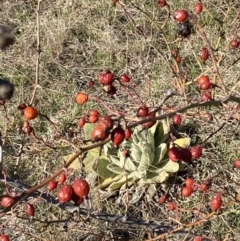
82 149
163 229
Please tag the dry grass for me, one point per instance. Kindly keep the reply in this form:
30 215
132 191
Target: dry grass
80 38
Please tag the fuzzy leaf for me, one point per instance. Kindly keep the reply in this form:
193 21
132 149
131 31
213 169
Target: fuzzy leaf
161 177
102 169
115 160
117 184
161 133
104 183
115 169
128 164
136 153
146 159
160 152
109 149
167 166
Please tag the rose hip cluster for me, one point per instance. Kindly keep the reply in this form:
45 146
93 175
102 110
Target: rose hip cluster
106 78
75 192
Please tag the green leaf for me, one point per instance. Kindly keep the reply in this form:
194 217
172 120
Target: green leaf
160 152
109 149
136 153
168 166
115 169
102 169
128 164
161 133
161 177
183 142
117 184
116 161
146 159
104 183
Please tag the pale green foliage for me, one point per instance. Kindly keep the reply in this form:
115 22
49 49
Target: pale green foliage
147 163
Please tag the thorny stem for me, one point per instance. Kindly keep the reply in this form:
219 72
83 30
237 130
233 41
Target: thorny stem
96 215
89 147
204 36
129 94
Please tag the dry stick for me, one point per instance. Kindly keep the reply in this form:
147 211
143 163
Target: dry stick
89 147
203 34
38 52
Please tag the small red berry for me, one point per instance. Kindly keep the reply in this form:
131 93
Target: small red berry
92 119
65 193
107 122
128 134
206 96
125 78
204 54
237 164
205 86
234 43
196 152
175 154
117 136
22 106
180 15
171 206
197 238
198 8
189 182
62 178
82 122
27 129
81 188
93 113
125 153
162 199
106 77
203 79
4 237
205 185
178 59
162 3
52 185
99 133
142 111
177 120
29 209
187 191
186 155
7 201
216 202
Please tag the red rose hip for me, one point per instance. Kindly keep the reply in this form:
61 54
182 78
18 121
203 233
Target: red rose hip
174 154
65 193
81 188
181 15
